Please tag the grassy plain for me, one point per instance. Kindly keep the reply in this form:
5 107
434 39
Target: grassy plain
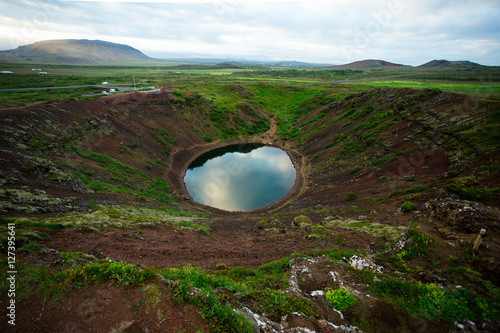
482 82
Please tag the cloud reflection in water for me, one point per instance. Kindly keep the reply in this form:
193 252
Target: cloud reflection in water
239 181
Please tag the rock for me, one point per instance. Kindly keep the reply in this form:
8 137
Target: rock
467 326
269 224
310 274
86 228
331 220
463 215
360 262
408 178
373 249
324 308
260 323
327 327
400 245
382 179
298 322
167 282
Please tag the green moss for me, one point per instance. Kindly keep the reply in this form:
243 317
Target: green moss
391 233
409 206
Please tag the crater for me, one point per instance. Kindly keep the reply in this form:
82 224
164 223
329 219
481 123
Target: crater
242 177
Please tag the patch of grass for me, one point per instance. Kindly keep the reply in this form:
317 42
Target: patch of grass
381 160
376 200
413 189
31 246
334 254
472 193
125 274
437 303
354 170
51 226
93 205
409 206
352 148
159 139
110 165
167 136
358 114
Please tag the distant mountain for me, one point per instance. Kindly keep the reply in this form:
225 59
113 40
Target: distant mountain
368 64
447 64
75 51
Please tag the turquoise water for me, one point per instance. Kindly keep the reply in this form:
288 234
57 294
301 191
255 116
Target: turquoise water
240 177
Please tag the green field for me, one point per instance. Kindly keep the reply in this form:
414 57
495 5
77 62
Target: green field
483 82
486 90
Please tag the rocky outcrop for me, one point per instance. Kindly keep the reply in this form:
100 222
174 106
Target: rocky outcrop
32 201
462 215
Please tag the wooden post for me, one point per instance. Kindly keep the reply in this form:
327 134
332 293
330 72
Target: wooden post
478 239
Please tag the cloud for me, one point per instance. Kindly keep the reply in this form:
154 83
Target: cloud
237 181
317 31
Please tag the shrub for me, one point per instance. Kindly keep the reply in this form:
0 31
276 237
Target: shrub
341 299
351 196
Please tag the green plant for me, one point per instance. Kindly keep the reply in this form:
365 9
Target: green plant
104 270
351 196
418 247
354 170
32 246
93 205
221 266
341 299
408 207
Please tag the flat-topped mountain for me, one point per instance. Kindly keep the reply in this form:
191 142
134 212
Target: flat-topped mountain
75 51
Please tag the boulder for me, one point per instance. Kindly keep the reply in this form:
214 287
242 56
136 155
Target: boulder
361 262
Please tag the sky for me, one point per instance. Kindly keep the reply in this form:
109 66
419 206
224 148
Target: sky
242 181
410 32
